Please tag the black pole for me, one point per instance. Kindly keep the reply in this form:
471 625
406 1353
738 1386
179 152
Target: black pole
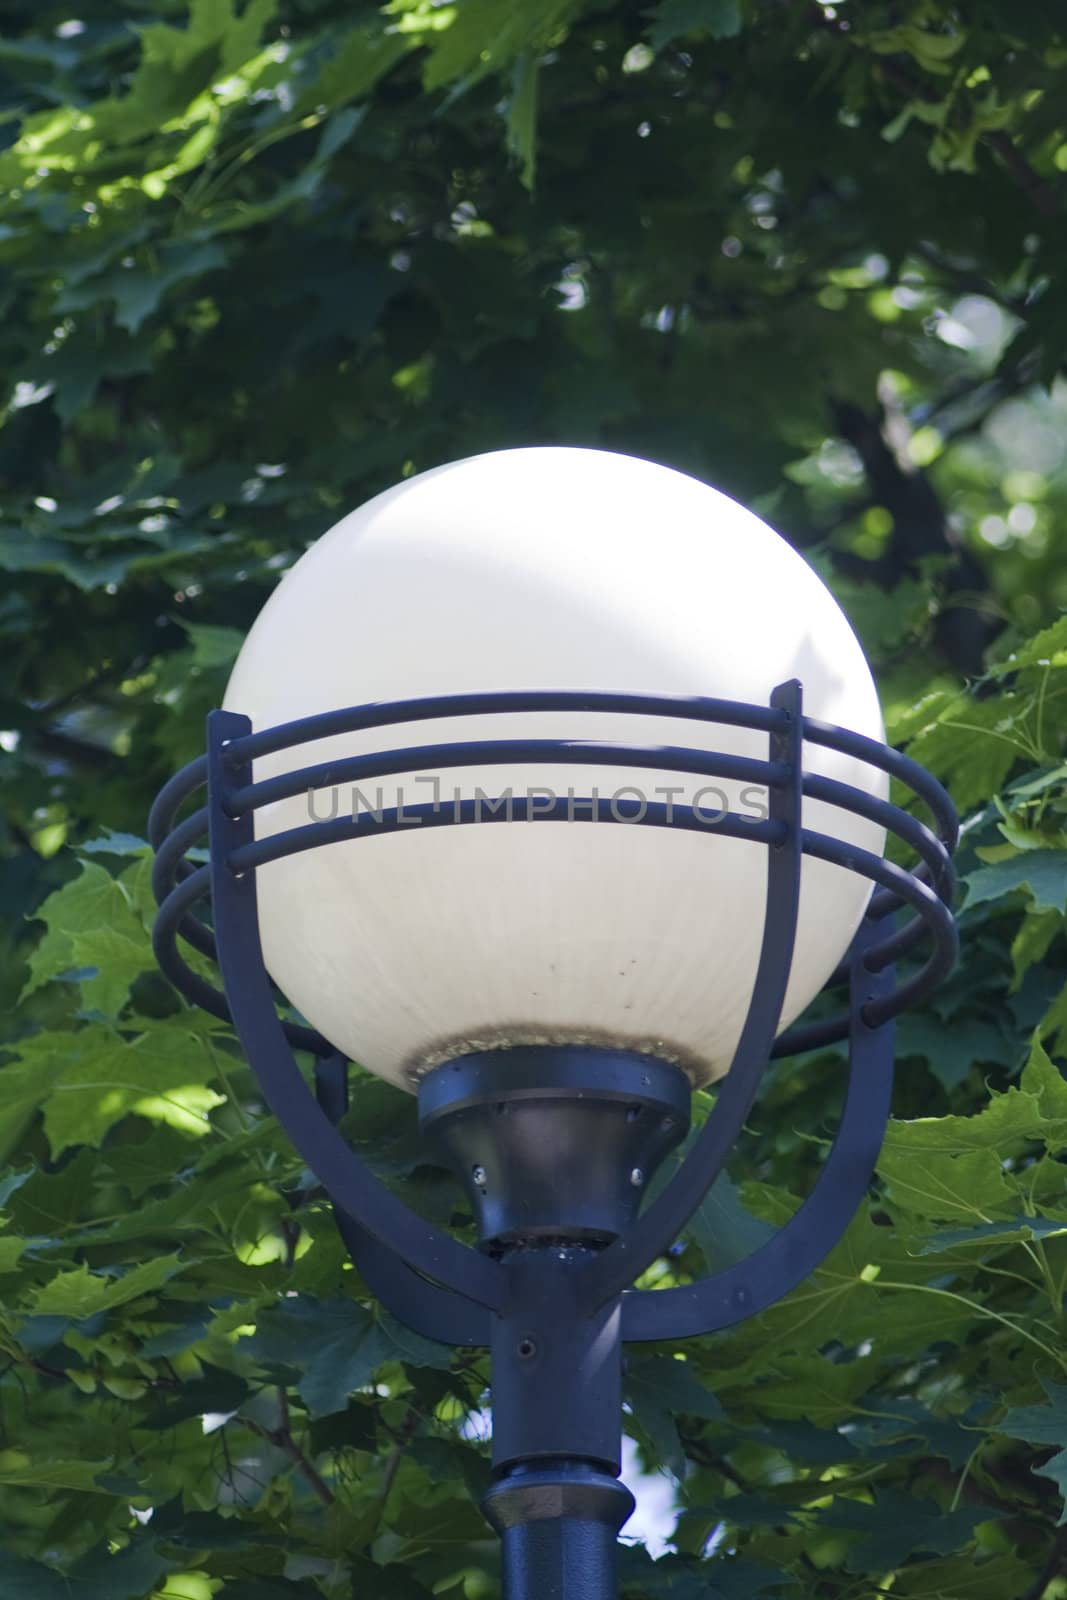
556 1501
555 1148
558 1524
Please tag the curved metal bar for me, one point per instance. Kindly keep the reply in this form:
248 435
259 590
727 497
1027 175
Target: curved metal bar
901 885
729 713
195 932
174 791
171 917
173 920
831 1030
426 1307
624 1259
170 843
914 893
935 915
927 846
200 936
257 852
348 1180
579 752
501 752
170 852
883 903
811 1036
903 768
935 868
170 868
355 719
778 1266
839 852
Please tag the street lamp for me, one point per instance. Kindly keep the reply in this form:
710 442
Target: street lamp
554 623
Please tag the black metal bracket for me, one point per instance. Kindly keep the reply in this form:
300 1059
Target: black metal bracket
546 1143
443 1288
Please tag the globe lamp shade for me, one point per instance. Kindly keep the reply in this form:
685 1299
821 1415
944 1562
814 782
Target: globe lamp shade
565 569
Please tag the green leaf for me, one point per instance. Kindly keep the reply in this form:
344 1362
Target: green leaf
138 290
12 1183
481 37
723 1230
902 1425
808 1388
675 19
280 1589
20 552
128 1574
109 843
953 1049
446 1460
361 56
29 1580
986 1233
213 647
18 1469
115 959
82 363
522 117
1042 872
674 1385
678 1578
92 925
410 1347
25 1083
177 64
1044 1425
81 1293
335 1345
11 1250
949 1188
214 1390
1036 1110
1044 1081
1031 944
660 1389
96 1078
970 744
301 231
1046 648
898 1526
964 1577
210 1531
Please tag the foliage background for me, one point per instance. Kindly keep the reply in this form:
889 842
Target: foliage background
256 263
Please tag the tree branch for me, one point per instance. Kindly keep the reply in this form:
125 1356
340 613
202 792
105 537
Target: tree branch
396 1455
920 528
1041 193
1053 1568
282 1438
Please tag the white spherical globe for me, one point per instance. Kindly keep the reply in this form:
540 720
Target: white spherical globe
546 568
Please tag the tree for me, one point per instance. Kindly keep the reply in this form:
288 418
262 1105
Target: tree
256 263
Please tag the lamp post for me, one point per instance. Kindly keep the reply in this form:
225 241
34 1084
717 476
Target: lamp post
586 639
